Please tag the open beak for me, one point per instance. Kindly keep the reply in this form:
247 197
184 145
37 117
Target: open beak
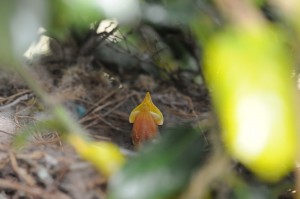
145 118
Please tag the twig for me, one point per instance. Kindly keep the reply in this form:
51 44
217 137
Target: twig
121 115
95 40
16 101
108 123
4 160
36 155
34 191
7 133
8 99
117 106
99 137
96 109
97 104
22 173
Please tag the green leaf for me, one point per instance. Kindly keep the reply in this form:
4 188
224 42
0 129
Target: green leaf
41 126
248 70
78 15
163 169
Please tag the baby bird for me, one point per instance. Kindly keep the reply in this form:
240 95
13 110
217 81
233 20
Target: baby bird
145 118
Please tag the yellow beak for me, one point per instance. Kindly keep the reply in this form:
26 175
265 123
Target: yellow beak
147 105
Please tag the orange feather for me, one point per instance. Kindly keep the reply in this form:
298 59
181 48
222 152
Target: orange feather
144 128
145 118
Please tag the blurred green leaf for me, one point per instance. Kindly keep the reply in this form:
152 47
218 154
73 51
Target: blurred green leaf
6 8
30 130
77 14
248 71
163 169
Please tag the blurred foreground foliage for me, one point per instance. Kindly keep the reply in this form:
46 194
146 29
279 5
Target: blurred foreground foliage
250 53
162 169
254 96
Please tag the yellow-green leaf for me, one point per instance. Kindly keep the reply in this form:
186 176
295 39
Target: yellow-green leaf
105 156
249 73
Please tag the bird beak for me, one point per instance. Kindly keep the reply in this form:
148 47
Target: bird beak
147 105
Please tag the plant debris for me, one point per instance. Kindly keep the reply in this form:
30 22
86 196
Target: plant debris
100 99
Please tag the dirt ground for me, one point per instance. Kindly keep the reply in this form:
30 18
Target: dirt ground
100 98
